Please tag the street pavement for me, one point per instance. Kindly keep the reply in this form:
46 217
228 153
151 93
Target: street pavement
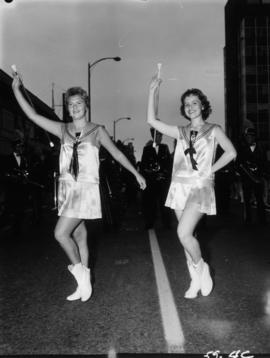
139 279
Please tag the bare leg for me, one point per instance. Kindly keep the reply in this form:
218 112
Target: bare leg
65 228
187 221
80 237
63 231
178 214
198 269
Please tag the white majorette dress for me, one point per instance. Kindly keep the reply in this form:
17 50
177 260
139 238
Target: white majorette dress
192 180
78 192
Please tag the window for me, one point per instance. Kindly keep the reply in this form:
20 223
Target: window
251 70
250 51
250 57
251 94
263 131
261 20
262 70
262 55
263 115
261 33
262 74
262 79
262 94
250 79
250 35
250 21
251 107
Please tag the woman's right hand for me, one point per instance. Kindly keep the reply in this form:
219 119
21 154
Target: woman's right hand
154 84
16 80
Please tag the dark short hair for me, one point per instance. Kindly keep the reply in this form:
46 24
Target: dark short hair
74 91
250 131
17 141
206 111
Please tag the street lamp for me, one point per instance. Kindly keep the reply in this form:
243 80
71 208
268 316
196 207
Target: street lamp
90 65
114 124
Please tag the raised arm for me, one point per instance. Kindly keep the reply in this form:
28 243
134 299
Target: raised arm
43 122
106 141
169 130
229 150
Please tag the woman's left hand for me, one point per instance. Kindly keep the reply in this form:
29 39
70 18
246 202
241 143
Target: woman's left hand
141 181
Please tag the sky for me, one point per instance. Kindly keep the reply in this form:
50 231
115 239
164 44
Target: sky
53 42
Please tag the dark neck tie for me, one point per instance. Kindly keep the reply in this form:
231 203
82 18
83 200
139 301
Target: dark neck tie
191 150
74 163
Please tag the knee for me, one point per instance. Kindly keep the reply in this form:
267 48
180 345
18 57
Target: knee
80 235
183 235
59 234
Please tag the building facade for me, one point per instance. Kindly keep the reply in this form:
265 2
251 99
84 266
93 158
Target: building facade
247 68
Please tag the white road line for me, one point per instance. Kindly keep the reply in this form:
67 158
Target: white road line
171 323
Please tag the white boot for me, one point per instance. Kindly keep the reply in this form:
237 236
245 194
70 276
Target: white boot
82 276
77 294
206 281
195 284
86 287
